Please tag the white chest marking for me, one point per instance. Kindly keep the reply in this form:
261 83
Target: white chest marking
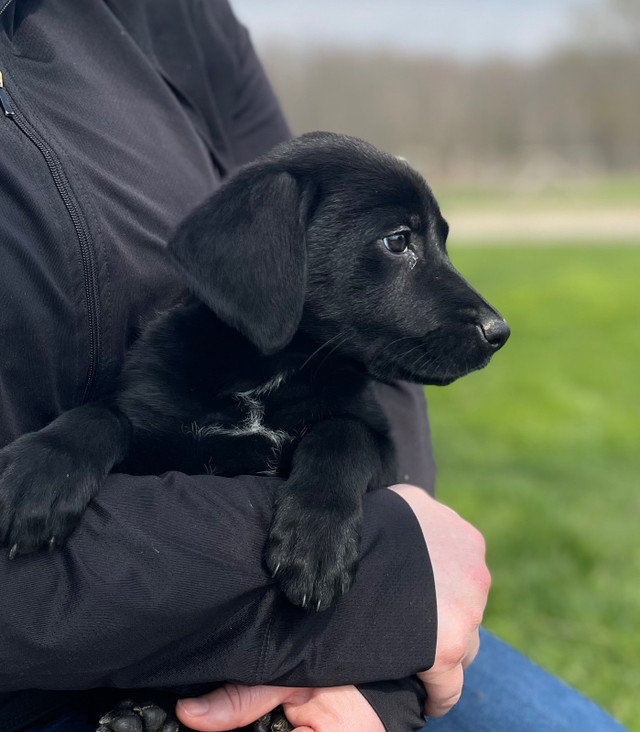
253 423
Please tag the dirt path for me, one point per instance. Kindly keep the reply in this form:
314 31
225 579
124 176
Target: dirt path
604 226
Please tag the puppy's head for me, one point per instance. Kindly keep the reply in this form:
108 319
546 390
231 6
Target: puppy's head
329 236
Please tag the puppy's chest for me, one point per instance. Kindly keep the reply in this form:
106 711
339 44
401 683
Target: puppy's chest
255 430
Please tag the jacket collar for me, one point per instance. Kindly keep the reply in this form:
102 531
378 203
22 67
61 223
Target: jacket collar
8 16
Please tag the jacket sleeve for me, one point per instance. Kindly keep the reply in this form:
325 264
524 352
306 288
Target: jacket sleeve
258 121
406 409
252 115
163 584
399 704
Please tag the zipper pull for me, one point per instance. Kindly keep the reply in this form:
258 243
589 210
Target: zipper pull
5 102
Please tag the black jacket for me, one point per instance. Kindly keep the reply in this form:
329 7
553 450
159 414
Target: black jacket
120 116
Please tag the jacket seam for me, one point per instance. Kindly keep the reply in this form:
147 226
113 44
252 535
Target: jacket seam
264 652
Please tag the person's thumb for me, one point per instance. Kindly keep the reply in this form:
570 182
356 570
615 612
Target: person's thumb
230 706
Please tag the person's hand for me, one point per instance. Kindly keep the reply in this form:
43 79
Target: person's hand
335 709
462 580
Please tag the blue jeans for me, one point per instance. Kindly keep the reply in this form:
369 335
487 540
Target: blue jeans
503 692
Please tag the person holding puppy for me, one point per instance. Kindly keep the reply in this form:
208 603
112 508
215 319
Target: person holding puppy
118 118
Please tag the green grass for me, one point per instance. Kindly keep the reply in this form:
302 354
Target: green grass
608 193
541 451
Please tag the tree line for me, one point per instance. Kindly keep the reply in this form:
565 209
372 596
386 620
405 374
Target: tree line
574 112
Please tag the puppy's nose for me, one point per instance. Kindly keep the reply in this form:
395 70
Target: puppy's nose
495 331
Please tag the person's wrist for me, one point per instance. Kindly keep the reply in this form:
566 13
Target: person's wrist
457 555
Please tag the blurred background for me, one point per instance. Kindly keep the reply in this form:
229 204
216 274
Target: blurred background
524 115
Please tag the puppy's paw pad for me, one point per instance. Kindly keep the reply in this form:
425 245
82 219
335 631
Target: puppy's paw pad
131 717
274 721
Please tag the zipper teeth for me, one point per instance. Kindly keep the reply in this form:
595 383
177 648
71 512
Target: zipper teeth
83 239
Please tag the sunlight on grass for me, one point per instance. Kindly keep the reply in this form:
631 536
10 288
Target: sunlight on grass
541 452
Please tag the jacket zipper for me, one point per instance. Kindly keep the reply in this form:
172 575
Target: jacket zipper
82 232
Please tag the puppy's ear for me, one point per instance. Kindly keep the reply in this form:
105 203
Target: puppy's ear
243 253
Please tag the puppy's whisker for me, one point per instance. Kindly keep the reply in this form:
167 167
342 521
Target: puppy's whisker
411 350
338 344
324 345
427 360
397 340
402 355
421 362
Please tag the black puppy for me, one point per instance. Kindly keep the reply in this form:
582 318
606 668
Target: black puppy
316 269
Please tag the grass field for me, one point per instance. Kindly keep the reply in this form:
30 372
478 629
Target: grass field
541 451
609 193
594 211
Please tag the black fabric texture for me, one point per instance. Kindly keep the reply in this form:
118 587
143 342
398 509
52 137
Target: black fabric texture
399 704
198 604
127 115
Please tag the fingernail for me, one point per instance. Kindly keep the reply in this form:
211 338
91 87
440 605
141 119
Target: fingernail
194 707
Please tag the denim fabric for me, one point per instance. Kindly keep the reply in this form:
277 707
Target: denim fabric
505 692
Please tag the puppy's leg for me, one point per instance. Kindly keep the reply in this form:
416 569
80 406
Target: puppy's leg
48 477
314 541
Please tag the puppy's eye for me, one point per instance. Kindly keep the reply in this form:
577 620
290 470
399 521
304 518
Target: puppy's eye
396 243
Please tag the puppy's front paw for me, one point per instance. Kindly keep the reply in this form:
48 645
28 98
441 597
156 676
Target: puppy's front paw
312 551
130 716
44 490
274 721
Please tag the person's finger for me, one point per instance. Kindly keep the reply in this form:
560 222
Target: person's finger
303 729
472 652
443 691
332 709
230 706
